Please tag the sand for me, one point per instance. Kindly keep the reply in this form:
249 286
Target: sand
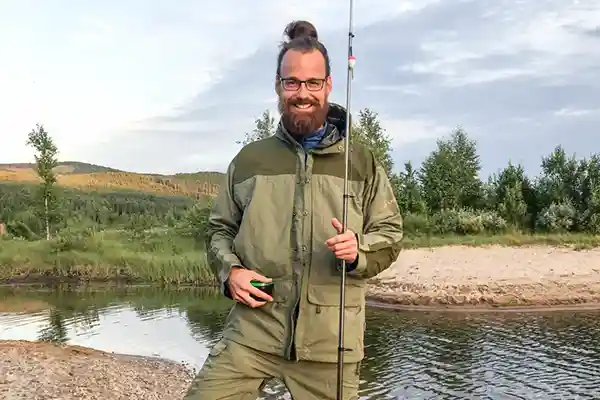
490 277
44 371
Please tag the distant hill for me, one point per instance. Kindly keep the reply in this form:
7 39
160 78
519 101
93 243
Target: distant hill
64 167
96 177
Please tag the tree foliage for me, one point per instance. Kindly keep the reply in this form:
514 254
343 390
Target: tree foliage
369 132
264 128
450 175
443 196
90 210
46 160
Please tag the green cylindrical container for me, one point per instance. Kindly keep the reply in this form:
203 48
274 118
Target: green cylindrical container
266 287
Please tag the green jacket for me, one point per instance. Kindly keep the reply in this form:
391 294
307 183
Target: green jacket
273 214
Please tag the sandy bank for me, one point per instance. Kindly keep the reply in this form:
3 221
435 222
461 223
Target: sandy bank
43 371
492 276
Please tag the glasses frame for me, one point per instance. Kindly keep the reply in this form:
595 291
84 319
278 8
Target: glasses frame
300 82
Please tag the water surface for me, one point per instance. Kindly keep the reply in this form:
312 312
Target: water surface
410 355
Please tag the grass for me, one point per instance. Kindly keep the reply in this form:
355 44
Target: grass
165 258
106 256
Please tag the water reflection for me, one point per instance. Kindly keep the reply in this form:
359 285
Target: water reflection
414 355
56 331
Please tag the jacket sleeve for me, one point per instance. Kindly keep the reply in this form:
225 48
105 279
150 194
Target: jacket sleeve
222 228
380 242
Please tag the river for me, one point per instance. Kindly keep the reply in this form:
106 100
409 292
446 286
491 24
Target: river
410 355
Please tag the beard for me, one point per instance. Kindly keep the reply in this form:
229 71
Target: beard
299 123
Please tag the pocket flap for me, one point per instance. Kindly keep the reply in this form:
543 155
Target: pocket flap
218 348
329 295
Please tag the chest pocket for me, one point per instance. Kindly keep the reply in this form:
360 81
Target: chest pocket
263 240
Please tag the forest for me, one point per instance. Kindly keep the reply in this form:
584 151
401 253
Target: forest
53 229
446 195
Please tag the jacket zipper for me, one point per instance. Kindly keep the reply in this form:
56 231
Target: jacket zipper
295 312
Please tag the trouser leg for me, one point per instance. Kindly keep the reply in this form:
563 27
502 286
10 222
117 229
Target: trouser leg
232 372
318 381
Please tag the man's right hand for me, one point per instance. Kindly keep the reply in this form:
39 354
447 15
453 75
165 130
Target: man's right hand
241 288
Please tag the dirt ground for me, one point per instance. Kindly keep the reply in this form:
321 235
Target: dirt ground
43 371
492 276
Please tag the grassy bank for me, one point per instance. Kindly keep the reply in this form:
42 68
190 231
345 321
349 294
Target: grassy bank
156 258
165 258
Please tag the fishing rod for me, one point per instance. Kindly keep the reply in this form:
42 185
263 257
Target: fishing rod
350 77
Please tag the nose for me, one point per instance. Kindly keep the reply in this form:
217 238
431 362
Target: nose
302 90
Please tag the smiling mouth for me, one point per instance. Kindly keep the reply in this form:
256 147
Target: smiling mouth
305 106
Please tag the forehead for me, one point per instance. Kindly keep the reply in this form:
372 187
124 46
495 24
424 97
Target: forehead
303 64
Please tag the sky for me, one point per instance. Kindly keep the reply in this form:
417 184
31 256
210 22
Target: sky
163 86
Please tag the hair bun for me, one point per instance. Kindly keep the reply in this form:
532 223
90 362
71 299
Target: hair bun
298 29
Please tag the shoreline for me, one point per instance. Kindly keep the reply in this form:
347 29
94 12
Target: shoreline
32 368
451 278
464 309
490 278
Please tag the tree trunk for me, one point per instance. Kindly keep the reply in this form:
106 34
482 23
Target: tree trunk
47 219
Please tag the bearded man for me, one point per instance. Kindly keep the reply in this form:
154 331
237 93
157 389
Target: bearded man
276 220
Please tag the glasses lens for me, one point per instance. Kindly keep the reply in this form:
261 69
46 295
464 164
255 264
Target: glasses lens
314 84
291 84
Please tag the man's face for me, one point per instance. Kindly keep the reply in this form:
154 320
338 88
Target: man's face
303 106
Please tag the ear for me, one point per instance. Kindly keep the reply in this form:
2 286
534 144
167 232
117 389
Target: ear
277 86
329 85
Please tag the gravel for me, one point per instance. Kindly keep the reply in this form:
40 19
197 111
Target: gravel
44 371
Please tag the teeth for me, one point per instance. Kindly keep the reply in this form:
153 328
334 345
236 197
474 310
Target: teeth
303 105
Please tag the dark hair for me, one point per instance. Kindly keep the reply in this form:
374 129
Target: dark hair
303 37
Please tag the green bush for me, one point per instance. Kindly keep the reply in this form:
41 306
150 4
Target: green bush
417 224
455 222
557 218
20 230
468 222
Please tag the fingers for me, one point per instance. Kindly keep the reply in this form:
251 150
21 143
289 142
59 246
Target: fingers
245 298
337 225
343 245
243 291
258 293
350 244
342 238
258 277
346 254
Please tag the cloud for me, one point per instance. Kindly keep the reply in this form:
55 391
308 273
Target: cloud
576 112
165 87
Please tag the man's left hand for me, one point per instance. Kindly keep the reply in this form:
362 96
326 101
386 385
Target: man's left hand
344 244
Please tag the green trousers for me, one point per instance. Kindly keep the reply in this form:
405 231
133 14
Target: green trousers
236 372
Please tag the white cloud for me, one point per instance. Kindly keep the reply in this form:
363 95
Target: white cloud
403 89
546 35
91 72
151 85
404 131
576 112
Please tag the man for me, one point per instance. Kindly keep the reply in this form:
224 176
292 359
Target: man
277 219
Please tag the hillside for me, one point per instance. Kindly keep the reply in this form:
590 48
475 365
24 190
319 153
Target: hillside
96 177
64 167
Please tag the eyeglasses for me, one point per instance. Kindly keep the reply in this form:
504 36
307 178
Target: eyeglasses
293 84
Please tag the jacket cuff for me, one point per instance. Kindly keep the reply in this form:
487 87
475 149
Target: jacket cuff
359 265
225 279
225 290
